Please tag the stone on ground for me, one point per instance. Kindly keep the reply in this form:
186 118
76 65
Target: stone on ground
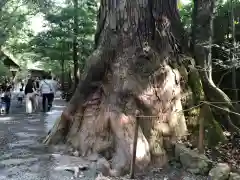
220 172
234 176
88 166
192 161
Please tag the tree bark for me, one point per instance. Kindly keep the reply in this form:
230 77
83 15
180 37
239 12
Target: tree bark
202 29
62 75
75 43
234 60
128 71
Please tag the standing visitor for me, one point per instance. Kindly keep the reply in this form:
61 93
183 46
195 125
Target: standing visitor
47 91
7 99
30 96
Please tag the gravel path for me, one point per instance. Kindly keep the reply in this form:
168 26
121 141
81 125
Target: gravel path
22 157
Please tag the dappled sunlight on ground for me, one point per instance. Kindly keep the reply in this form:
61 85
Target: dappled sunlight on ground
22 156
5 119
54 114
56 106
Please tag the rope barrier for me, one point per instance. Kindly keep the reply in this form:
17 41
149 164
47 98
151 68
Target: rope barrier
137 124
189 109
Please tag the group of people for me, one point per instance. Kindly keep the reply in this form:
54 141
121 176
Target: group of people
46 88
35 87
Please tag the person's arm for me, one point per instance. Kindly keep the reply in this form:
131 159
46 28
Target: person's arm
34 86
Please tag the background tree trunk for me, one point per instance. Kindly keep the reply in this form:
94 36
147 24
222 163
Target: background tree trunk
203 15
62 75
128 71
234 60
75 44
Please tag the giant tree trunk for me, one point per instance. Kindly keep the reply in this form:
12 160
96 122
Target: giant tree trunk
128 71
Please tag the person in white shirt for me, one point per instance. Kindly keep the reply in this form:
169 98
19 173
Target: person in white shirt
47 91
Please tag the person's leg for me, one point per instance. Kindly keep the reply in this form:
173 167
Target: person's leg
51 98
36 102
32 98
29 105
44 97
27 102
8 103
9 106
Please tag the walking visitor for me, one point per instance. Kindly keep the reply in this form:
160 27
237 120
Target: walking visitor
30 92
47 92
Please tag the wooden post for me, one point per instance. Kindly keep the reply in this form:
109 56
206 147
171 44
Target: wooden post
203 110
132 171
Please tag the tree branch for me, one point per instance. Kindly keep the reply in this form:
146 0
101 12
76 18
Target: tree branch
221 79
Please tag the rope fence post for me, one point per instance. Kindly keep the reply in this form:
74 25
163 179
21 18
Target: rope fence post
132 171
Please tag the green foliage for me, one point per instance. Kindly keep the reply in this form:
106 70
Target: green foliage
13 17
56 44
222 36
53 45
186 15
4 71
223 22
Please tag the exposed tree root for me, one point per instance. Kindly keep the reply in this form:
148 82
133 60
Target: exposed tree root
106 125
56 134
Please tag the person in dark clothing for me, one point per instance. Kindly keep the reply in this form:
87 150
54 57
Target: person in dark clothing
29 87
7 99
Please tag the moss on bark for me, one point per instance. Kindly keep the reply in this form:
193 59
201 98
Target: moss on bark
213 131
